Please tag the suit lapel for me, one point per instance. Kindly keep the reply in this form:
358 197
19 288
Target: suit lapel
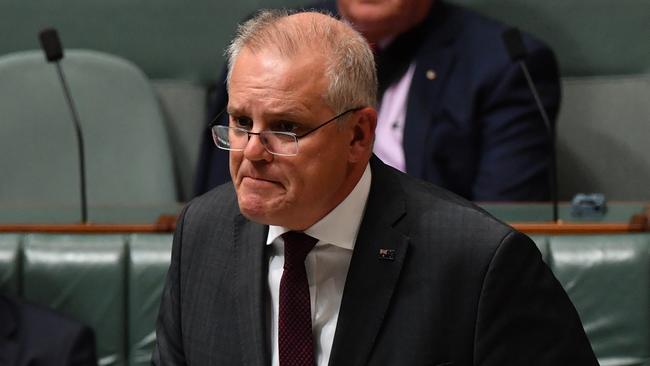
371 280
423 104
249 283
434 61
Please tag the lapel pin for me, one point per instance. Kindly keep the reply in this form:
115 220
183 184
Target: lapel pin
387 254
431 75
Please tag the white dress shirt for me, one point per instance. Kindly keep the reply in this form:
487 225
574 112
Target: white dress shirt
389 134
327 268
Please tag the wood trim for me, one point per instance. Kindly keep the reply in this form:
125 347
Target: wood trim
164 224
167 224
638 223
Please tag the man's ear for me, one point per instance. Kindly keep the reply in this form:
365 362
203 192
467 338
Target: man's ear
363 134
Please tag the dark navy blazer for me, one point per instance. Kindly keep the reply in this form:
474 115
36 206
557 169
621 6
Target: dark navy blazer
32 335
471 125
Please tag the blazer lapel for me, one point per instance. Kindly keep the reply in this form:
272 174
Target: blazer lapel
374 271
434 61
249 283
423 105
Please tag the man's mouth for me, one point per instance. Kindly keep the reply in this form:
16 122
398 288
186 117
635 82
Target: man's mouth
258 182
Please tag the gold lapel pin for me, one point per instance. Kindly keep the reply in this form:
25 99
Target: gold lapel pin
431 75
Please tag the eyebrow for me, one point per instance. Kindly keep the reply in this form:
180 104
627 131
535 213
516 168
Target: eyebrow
290 113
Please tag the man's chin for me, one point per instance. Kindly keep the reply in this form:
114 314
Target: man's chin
257 209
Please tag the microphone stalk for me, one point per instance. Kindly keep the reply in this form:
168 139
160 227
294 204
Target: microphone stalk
54 53
517 52
551 132
80 143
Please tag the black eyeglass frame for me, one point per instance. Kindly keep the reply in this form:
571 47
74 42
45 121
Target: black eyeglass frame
215 123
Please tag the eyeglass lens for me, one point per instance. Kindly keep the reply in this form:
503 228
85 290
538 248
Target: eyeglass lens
234 138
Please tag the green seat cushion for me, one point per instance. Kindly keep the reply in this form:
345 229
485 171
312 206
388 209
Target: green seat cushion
82 276
9 264
149 259
608 279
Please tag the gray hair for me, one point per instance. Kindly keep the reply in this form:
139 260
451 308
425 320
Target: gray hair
350 67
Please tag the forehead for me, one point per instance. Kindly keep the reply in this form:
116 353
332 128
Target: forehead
267 78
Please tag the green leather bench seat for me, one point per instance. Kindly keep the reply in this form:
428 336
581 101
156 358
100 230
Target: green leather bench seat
127 153
83 277
114 282
608 280
9 262
109 282
148 262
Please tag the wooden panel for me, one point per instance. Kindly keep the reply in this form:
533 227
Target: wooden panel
167 223
164 224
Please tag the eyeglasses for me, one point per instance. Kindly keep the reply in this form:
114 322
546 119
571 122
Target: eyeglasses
275 142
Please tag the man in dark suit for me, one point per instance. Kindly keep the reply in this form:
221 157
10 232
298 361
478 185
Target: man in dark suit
455 110
363 264
31 335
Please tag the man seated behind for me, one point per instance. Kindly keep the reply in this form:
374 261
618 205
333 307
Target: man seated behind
454 109
318 253
32 335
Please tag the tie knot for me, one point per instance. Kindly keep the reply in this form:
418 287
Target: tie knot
296 247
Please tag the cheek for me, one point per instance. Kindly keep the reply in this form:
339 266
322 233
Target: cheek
326 176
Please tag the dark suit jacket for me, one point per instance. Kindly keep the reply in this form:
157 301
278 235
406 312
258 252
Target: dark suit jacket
463 288
31 335
474 129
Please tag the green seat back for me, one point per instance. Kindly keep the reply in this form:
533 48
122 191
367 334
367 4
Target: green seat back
149 260
603 137
82 276
184 106
608 279
128 156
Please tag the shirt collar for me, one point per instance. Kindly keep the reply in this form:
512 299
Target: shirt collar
341 226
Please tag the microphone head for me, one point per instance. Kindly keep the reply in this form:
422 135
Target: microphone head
51 44
514 44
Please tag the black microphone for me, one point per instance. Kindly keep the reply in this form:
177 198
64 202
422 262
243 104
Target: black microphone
51 45
517 51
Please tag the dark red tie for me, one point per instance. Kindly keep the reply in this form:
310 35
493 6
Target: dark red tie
295 341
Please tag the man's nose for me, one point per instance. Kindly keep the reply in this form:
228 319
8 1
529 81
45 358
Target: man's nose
255 149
